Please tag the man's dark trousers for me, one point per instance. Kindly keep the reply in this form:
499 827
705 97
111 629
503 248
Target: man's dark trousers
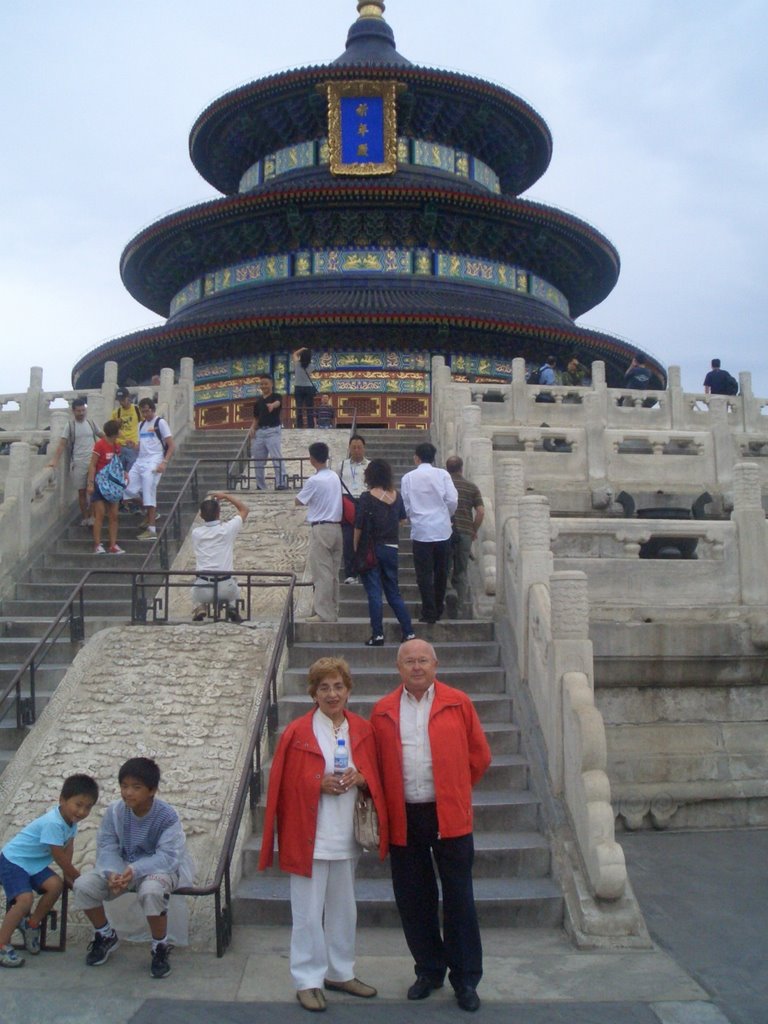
415 886
431 560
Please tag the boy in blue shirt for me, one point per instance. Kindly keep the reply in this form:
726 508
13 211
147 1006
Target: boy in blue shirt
24 866
141 848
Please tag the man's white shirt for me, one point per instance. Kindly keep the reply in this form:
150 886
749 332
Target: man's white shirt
418 781
430 499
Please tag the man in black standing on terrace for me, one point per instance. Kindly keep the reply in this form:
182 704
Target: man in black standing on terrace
266 435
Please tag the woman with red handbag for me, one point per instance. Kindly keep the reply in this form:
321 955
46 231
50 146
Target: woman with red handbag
380 511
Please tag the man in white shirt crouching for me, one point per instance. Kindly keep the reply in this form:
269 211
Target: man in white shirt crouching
214 547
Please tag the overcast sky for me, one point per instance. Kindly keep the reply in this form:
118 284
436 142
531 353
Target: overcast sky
657 109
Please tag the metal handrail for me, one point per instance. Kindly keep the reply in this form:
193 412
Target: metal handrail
249 784
250 781
25 708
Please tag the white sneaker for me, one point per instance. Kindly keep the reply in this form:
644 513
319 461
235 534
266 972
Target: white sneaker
351 579
116 550
99 550
88 521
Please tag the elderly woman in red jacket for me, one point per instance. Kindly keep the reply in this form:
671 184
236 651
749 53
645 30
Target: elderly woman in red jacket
314 806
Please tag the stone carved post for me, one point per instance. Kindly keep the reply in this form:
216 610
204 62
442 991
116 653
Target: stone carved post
440 387
64 490
18 486
722 442
479 469
99 409
109 387
508 489
165 398
469 428
519 391
752 533
597 457
677 416
534 564
187 381
599 385
32 406
572 652
750 409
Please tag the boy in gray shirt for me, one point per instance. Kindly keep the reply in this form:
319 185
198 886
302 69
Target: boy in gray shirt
140 848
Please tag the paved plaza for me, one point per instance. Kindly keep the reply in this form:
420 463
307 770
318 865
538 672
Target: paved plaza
703 895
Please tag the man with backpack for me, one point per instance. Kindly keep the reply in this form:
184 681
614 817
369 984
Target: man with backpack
79 437
719 381
156 447
128 416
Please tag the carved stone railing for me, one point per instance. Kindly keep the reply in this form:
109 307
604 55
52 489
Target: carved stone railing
555 660
609 439
33 496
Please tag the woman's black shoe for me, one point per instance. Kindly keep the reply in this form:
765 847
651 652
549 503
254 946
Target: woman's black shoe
375 641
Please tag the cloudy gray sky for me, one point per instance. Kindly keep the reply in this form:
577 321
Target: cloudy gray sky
657 109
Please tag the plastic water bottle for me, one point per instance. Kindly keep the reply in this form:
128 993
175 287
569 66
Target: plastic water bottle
340 757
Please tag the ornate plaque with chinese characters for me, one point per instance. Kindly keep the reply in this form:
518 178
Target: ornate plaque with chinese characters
362 127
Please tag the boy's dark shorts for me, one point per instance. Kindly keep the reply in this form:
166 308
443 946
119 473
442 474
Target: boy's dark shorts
16 880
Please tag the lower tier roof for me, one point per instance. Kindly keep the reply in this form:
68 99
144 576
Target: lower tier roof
364 315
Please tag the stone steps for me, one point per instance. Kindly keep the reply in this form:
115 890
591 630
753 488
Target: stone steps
501 902
497 855
45 584
465 653
512 874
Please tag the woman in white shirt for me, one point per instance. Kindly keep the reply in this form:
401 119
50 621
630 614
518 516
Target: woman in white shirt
313 806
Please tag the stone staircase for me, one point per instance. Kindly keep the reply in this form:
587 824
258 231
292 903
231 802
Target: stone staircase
513 879
45 582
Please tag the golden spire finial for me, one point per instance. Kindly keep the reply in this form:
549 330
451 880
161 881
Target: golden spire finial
370 8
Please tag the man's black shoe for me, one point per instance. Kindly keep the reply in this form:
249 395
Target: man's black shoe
423 618
468 999
423 985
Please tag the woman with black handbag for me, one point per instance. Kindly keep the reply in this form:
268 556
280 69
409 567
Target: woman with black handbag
303 387
380 511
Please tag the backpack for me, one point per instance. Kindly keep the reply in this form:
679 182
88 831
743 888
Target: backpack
111 480
731 385
158 420
534 377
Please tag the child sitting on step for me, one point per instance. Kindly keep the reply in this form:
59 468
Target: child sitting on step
140 848
24 866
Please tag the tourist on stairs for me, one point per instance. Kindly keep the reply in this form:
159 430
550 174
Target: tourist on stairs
323 760
380 511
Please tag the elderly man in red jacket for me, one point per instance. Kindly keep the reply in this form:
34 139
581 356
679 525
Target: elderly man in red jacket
432 750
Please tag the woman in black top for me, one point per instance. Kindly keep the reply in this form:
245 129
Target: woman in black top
303 387
380 511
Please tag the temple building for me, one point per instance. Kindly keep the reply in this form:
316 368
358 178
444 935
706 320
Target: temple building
370 211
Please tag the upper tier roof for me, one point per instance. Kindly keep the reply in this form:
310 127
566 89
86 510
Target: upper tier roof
441 106
310 208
